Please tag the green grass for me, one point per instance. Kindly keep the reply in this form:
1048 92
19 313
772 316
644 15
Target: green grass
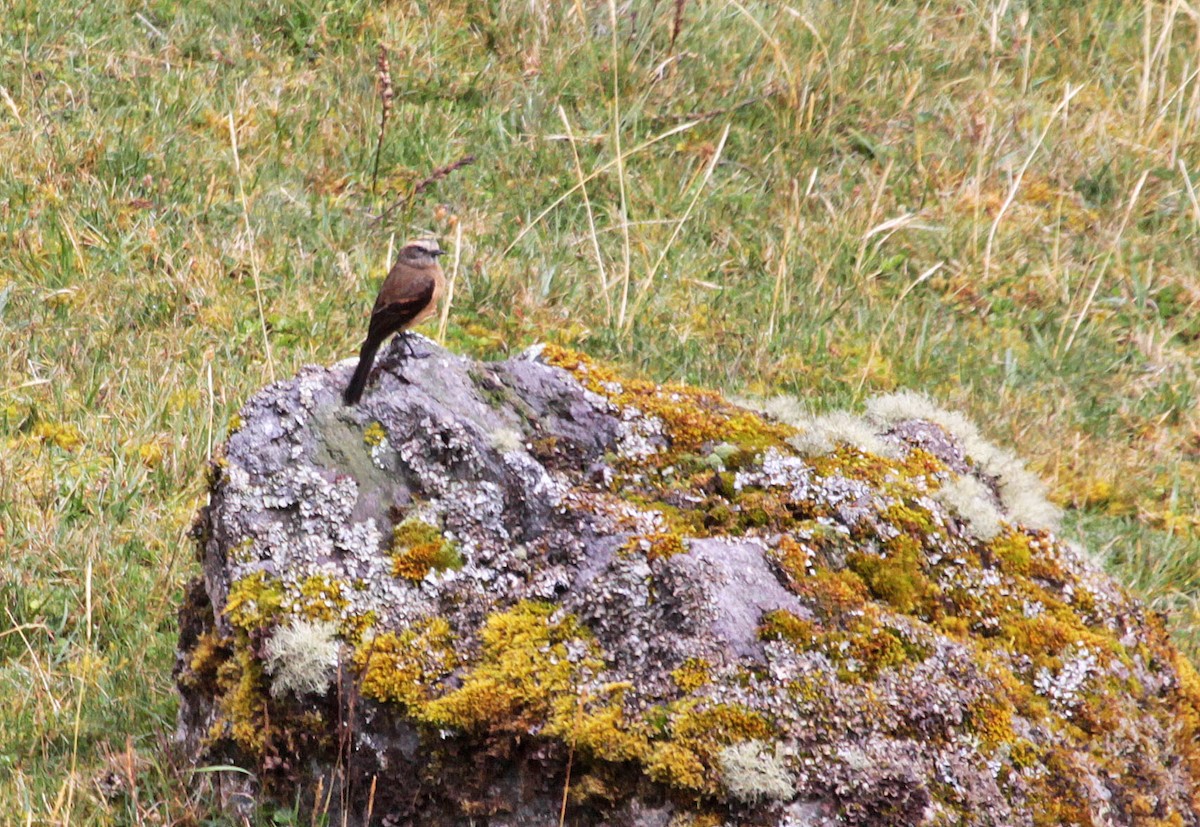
877 195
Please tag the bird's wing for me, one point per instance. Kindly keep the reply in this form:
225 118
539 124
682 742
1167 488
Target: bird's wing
394 312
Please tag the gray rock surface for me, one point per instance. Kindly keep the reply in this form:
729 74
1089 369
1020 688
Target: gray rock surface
543 578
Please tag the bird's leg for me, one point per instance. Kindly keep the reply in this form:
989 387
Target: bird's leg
405 337
408 346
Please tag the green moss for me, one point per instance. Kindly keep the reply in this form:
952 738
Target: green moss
1012 553
896 577
761 509
688 758
419 548
860 650
781 624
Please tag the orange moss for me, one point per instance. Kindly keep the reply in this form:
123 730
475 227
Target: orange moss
832 594
656 546
692 418
419 548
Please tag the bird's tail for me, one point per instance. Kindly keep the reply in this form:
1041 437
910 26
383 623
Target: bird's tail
366 358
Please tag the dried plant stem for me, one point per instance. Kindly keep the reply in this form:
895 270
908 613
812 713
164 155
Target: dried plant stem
677 23
384 82
445 317
616 127
562 812
426 182
790 222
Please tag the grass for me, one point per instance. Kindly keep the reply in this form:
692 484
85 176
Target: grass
989 201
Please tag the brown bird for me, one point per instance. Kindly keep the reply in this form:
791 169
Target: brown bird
409 296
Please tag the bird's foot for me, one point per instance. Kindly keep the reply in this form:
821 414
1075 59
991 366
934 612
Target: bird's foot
410 353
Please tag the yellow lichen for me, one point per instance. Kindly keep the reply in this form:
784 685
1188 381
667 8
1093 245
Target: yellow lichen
63 435
692 674
374 434
524 667
406 668
254 601
242 700
320 598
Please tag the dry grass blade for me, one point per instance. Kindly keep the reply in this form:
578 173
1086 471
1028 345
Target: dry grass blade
1016 184
1087 304
449 300
616 130
591 217
928 274
648 282
1191 191
250 240
12 105
82 678
675 130
790 220
781 57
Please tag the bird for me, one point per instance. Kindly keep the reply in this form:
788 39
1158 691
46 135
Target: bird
409 296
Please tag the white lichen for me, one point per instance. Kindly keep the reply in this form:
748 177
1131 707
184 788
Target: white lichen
969 499
1022 494
753 771
300 657
784 408
506 440
824 433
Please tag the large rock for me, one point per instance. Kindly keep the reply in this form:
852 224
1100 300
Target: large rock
497 592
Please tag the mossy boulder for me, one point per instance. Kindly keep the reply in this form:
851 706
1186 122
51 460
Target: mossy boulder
505 593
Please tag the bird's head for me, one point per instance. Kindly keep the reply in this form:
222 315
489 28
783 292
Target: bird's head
423 252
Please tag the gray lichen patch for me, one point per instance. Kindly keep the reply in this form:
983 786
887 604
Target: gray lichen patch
711 615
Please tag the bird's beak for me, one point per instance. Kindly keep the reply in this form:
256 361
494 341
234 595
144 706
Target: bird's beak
437 253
